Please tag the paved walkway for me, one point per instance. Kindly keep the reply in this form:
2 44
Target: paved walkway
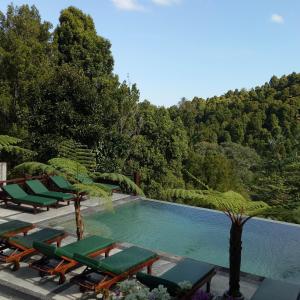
26 284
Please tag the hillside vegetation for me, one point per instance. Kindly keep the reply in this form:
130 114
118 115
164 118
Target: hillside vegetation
58 84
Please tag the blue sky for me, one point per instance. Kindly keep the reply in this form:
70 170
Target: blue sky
186 48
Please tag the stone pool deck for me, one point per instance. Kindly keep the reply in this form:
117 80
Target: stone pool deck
26 284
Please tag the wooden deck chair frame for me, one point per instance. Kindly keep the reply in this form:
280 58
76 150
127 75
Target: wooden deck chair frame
66 264
110 278
20 252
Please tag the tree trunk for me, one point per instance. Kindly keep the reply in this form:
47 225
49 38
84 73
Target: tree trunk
78 218
235 253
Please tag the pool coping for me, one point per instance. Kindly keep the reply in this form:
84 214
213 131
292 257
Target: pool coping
131 198
218 211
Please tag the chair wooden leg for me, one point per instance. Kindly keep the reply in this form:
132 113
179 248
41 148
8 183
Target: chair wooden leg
208 286
149 269
15 266
62 278
48 208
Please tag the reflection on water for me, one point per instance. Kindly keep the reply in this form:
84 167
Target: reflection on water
269 249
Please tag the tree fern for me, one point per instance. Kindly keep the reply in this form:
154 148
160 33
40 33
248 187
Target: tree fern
121 179
78 152
9 144
69 167
94 191
196 179
216 200
32 168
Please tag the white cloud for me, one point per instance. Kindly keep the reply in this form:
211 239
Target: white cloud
165 2
128 5
275 18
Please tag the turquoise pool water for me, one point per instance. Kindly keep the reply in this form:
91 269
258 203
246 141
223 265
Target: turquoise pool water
269 249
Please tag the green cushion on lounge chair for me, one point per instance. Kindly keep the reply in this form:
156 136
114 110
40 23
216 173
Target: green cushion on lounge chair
87 261
127 259
36 186
120 262
43 235
19 195
110 187
276 290
85 179
153 282
11 226
14 191
40 189
62 183
46 249
58 195
85 247
190 270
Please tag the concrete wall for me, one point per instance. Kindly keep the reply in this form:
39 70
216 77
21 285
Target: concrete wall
3 170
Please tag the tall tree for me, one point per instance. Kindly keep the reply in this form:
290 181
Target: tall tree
79 45
24 55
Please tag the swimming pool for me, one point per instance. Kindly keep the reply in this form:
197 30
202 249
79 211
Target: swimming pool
269 249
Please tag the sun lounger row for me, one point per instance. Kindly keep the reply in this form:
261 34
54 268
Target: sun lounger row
42 196
101 274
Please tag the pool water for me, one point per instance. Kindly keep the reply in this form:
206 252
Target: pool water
269 249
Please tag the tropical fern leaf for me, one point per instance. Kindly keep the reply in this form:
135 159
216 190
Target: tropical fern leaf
68 166
6 140
9 144
196 179
32 168
121 179
230 200
95 191
73 150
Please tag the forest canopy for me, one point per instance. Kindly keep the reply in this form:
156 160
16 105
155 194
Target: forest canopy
58 84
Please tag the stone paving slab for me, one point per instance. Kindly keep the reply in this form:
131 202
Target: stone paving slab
45 215
6 212
220 282
27 281
25 213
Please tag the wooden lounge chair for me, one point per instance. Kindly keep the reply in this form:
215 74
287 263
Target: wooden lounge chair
195 272
12 228
19 196
22 246
100 275
40 189
85 179
62 183
58 261
277 290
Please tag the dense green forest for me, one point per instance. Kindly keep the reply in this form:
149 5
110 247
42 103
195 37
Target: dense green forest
58 84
